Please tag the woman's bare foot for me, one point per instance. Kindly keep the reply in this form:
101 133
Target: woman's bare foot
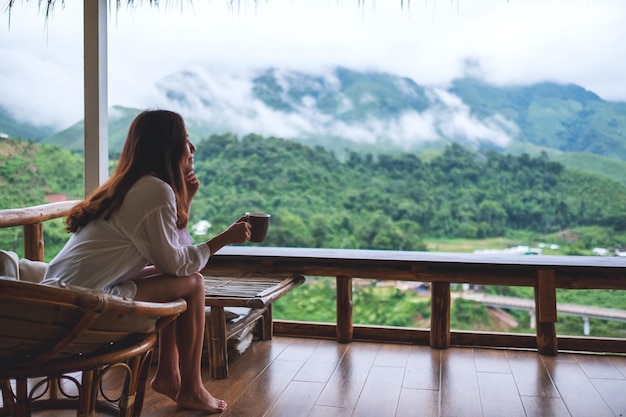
203 401
166 386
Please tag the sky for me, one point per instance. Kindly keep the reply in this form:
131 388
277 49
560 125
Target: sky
503 41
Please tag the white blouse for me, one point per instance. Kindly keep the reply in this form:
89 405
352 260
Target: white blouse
105 254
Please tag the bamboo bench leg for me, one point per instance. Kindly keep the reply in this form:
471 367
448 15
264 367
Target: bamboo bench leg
266 324
440 315
216 343
545 304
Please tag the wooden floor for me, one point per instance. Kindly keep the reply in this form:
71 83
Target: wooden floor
291 377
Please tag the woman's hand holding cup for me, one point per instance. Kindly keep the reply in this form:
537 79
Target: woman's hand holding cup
240 231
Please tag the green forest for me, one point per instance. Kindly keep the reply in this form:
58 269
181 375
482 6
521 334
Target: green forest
387 201
399 201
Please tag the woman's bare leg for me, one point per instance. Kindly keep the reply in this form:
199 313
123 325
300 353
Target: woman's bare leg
167 376
188 336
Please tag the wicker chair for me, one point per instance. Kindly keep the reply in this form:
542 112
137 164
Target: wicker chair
46 334
56 345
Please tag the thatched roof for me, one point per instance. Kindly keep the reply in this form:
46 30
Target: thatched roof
49 4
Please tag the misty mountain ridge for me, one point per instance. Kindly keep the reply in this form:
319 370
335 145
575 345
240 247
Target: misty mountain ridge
373 112
344 108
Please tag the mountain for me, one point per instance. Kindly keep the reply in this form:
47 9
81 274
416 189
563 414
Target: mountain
72 138
348 96
373 112
567 118
11 126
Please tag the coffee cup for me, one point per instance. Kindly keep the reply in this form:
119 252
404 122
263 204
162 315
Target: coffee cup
259 223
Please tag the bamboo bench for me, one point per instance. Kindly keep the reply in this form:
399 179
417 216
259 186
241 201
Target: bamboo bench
256 294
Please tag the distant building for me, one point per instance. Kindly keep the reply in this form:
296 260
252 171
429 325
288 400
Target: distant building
514 250
600 251
55 198
201 228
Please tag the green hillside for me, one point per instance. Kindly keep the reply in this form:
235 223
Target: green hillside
73 138
30 172
586 162
10 126
120 119
396 201
566 118
384 201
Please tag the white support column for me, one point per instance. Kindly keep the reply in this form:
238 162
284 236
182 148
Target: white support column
533 319
96 100
586 326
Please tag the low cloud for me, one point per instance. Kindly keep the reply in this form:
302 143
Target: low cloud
430 42
226 101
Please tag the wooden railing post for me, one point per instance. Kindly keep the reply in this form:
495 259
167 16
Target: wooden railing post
545 305
33 242
440 315
344 309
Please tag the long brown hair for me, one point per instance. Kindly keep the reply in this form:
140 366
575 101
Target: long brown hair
155 145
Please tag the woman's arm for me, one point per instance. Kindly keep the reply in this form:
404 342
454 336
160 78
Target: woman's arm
238 232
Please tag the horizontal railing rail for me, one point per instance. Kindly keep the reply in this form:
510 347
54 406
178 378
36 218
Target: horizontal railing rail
31 219
543 273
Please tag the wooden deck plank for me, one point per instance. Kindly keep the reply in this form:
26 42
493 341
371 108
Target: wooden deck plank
459 384
499 396
620 363
381 392
395 356
614 393
244 369
418 402
530 375
322 362
345 385
596 366
491 360
305 392
544 407
577 391
300 351
266 381
261 394
423 369
326 411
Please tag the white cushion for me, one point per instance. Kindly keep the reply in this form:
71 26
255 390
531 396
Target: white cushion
32 271
9 265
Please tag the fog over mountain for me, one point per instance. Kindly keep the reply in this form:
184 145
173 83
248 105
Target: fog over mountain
364 107
370 111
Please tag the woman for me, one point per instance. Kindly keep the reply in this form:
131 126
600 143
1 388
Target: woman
130 239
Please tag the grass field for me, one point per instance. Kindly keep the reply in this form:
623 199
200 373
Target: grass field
469 245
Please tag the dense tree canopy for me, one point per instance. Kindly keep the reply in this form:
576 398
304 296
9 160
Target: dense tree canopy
387 201
392 201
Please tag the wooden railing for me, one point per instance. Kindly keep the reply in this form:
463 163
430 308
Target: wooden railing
31 219
543 273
